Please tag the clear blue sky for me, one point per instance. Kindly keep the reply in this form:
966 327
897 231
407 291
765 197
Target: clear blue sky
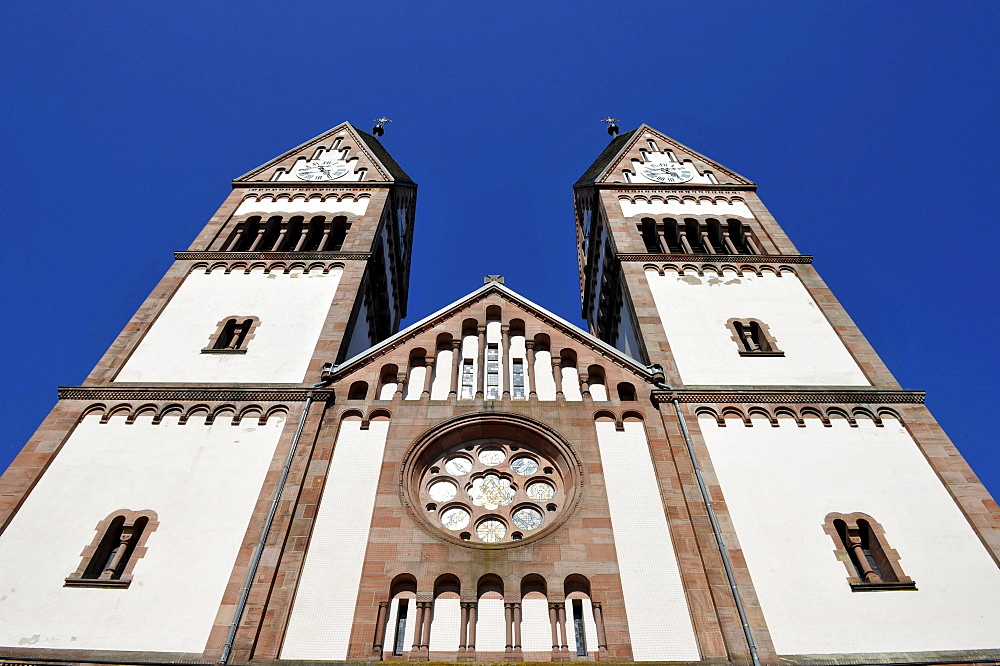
870 128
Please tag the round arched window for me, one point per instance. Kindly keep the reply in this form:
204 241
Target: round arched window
491 481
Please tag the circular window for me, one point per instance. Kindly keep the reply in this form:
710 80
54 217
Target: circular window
492 481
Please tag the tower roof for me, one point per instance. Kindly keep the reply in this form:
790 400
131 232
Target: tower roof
625 149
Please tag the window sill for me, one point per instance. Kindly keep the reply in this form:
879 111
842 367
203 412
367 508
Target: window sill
223 351
878 587
121 583
762 353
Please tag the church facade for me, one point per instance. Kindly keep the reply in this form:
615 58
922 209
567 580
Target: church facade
264 468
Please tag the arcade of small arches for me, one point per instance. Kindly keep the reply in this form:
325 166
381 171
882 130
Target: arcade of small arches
319 233
494 361
267 267
719 270
531 619
727 415
184 413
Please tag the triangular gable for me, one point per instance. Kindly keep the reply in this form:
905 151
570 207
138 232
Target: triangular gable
343 154
646 162
459 310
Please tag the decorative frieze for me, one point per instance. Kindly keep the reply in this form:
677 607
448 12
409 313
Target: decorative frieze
341 256
751 396
186 393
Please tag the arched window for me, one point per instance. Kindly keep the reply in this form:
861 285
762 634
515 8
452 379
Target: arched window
650 237
753 338
626 392
232 335
861 545
118 544
358 391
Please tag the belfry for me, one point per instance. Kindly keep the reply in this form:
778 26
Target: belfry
264 468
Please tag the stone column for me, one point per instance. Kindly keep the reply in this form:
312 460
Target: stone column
554 623
508 617
602 641
505 364
281 238
428 372
428 619
481 369
473 612
400 385
530 347
418 628
868 574
463 628
562 627
236 240
456 359
380 621
557 375
517 626
584 385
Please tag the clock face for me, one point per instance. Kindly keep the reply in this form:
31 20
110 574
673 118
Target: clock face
668 172
322 170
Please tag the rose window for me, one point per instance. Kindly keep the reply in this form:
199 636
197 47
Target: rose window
500 488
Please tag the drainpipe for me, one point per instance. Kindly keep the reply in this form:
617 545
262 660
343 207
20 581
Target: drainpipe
658 381
327 376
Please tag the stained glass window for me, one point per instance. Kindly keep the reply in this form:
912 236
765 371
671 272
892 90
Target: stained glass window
491 530
527 518
455 519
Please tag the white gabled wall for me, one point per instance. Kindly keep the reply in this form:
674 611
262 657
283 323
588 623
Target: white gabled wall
323 611
694 310
291 308
202 482
659 624
781 483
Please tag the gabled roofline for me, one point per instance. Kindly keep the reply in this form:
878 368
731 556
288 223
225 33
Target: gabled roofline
599 170
371 146
350 364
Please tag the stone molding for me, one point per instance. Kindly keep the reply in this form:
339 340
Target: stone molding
187 393
719 258
688 188
785 396
186 255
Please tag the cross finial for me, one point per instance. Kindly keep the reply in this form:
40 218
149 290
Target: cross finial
379 128
493 278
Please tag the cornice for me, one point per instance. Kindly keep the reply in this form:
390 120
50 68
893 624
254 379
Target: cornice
660 187
310 186
721 258
189 393
749 396
341 256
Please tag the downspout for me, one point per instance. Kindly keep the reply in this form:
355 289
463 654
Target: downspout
658 381
327 375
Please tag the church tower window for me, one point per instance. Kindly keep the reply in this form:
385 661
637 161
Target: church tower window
468 379
492 372
864 550
517 387
232 335
753 338
118 544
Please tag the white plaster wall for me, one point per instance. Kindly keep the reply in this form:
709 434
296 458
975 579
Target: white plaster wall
659 624
202 482
291 309
571 384
598 392
491 626
445 625
544 378
536 628
268 205
415 382
443 374
323 611
694 310
387 390
780 484
718 209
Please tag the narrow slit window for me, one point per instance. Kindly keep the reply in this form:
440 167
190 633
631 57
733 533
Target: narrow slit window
578 631
862 547
492 372
118 545
468 379
232 335
517 386
400 643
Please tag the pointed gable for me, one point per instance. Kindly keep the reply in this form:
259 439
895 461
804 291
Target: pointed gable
497 316
647 156
343 154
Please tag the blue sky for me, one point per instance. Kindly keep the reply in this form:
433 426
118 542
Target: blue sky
870 129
